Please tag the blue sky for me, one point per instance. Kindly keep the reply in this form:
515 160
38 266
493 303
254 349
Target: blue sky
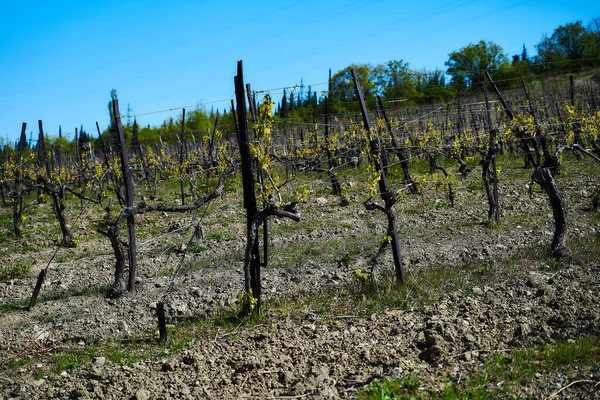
60 59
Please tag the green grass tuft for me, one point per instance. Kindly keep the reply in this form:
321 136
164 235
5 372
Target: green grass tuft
407 389
19 270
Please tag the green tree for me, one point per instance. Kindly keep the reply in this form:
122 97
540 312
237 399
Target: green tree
468 65
433 87
396 81
342 93
570 48
198 123
594 29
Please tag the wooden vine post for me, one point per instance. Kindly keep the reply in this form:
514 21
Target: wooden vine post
181 157
388 197
252 275
42 161
131 249
162 324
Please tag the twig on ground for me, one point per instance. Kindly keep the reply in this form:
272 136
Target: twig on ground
571 384
245 380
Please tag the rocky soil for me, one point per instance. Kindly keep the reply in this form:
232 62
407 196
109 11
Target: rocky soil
310 353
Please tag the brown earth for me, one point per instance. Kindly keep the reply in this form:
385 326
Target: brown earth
311 352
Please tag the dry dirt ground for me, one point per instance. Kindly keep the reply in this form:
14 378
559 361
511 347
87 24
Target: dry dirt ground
315 348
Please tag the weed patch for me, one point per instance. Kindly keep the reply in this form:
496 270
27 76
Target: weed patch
15 271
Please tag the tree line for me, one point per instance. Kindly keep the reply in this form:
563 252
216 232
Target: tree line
572 48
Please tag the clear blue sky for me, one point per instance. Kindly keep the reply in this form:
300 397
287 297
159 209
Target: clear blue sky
60 59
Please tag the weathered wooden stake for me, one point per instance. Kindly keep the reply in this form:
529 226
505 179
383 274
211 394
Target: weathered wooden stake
252 276
181 157
572 90
162 324
251 103
36 290
131 249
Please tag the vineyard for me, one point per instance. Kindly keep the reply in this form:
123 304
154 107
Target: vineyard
440 251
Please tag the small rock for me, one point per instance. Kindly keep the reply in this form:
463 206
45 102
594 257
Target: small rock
42 335
39 382
477 291
396 371
99 361
124 327
321 201
142 394
467 356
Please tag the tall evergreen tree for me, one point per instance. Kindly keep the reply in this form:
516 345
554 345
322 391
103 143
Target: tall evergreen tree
524 55
284 107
